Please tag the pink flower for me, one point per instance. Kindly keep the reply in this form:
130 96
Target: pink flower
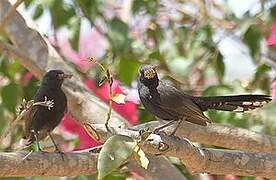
69 124
271 40
91 44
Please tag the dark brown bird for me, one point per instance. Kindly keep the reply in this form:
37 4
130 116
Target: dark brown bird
168 103
40 121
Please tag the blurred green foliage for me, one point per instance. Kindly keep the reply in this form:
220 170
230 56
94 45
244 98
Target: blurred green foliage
180 41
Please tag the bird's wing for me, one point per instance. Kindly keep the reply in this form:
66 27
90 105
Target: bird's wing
173 100
29 119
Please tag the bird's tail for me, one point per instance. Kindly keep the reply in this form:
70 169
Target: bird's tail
238 103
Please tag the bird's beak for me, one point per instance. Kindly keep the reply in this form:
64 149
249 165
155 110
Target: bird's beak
64 76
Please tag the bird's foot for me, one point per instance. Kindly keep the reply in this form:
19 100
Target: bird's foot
159 129
62 154
32 151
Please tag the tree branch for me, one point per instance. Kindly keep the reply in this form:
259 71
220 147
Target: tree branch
9 13
198 160
47 164
39 56
202 160
221 135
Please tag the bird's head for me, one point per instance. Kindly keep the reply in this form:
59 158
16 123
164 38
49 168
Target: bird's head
148 75
54 78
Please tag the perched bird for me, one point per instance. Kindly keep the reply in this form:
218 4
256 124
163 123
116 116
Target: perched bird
168 103
40 120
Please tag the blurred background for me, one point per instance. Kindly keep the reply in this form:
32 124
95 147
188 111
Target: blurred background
204 47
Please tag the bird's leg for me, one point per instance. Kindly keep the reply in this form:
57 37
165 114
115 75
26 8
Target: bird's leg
36 140
56 146
177 126
27 155
156 130
34 133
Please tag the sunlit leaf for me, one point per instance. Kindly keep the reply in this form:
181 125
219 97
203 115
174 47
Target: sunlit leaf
116 150
128 69
140 157
119 98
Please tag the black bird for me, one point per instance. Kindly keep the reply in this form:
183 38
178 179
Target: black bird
40 121
168 103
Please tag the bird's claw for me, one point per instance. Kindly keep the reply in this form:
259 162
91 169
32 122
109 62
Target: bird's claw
62 154
49 103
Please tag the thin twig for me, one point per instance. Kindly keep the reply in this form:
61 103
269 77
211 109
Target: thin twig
109 79
6 17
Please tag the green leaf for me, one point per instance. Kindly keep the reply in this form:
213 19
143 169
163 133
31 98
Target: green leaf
10 68
3 121
116 150
115 175
252 38
90 8
118 34
74 32
261 79
10 95
61 13
261 70
38 11
28 2
156 55
273 13
219 66
128 70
